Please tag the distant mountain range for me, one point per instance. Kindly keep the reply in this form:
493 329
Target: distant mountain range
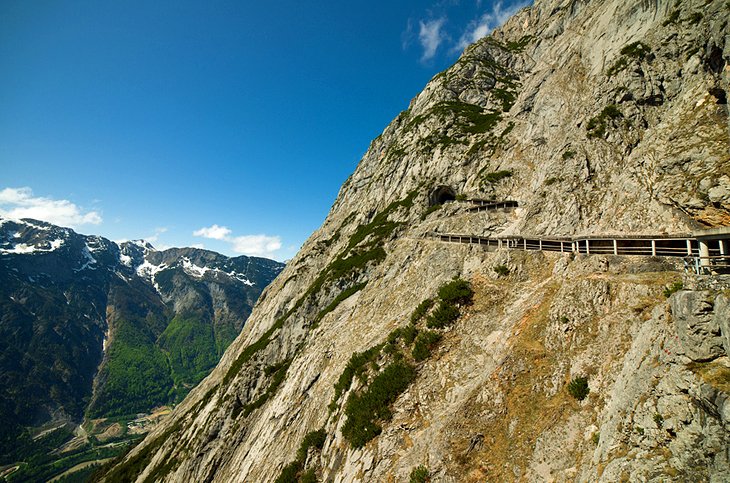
90 327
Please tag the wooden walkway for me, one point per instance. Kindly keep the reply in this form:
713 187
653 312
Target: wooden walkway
695 249
491 205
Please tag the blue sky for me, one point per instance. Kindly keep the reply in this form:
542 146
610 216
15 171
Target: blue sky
226 124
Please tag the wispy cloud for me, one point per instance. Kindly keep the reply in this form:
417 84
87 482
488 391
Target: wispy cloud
253 245
488 21
154 238
431 36
215 232
20 203
437 29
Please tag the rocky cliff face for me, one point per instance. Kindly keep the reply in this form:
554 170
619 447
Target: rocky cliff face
92 327
597 117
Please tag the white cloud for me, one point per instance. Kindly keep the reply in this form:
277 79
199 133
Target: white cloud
20 203
154 238
488 21
256 245
215 232
431 36
252 245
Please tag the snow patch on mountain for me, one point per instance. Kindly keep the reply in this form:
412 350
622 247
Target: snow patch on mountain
90 260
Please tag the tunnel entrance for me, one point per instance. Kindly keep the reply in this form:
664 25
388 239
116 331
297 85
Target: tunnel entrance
441 195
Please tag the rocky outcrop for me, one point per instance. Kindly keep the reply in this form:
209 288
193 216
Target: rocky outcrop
598 117
698 324
722 316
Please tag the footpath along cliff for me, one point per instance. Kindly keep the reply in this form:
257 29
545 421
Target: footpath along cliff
598 117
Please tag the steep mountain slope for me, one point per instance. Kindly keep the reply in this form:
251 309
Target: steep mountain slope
98 328
598 117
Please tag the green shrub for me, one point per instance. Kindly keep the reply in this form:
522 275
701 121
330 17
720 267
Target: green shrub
501 270
674 287
421 310
457 291
636 50
430 210
290 473
568 154
365 410
578 388
313 439
672 18
496 176
425 342
355 367
444 315
596 127
409 333
596 437
309 476
695 18
420 474
461 197
659 420
551 181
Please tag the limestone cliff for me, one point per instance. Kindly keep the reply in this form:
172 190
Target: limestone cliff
602 116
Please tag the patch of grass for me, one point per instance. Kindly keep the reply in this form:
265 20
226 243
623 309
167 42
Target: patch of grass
551 181
596 437
673 288
420 474
252 349
461 197
344 295
596 127
365 411
424 344
716 375
568 154
578 388
501 270
276 380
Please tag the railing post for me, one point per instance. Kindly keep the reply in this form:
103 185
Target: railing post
588 248
561 247
615 246
540 244
524 243
704 254
689 247
653 248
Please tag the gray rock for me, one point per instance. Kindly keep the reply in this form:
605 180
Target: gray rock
697 325
722 318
